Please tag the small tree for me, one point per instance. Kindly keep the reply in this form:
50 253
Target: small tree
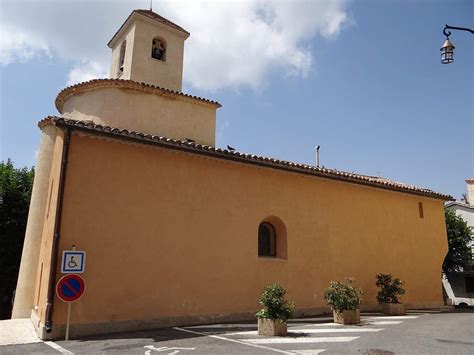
275 306
342 296
15 193
459 237
390 289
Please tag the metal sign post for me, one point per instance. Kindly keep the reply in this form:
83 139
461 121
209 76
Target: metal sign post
68 319
71 287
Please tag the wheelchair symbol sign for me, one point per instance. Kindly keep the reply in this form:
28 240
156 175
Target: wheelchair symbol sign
73 262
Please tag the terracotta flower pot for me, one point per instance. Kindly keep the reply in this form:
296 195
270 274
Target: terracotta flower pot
393 309
350 316
271 327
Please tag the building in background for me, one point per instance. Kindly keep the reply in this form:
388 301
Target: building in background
459 286
180 232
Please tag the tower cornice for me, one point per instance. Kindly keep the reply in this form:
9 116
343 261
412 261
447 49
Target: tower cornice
131 85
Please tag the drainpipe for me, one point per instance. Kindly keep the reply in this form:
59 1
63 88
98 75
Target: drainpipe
57 234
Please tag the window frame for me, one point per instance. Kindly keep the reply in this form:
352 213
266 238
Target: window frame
267 248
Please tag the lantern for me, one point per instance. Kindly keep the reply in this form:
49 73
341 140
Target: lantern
447 52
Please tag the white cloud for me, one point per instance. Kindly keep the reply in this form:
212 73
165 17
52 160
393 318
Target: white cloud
20 46
240 43
86 70
233 43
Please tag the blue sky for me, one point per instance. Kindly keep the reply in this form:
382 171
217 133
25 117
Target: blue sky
362 79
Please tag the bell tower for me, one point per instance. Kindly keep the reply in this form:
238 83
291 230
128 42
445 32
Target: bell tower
149 49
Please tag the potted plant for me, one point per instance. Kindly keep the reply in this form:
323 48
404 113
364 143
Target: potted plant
344 299
275 312
390 291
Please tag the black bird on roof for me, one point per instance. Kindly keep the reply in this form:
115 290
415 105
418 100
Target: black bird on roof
189 140
230 148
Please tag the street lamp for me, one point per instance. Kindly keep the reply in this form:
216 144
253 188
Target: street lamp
447 50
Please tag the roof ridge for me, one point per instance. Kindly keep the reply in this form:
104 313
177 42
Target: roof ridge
242 157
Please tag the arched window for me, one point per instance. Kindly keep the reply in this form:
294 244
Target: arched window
158 49
266 240
123 47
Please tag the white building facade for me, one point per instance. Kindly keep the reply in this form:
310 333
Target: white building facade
459 286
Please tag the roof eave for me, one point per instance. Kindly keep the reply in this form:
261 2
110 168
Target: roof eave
200 149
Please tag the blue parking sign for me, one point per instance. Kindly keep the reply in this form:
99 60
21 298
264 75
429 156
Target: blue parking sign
73 262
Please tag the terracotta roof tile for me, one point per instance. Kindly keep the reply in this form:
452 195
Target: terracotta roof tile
159 18
127 84
191 147
152 15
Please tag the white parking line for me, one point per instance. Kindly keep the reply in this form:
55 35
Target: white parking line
336 330
385 322
308 351
233 340
315 331
301 340
392 317
309 319
58 347
249 325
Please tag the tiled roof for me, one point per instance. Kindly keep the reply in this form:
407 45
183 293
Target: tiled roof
460 204
154 16
190 147
127 84
159 18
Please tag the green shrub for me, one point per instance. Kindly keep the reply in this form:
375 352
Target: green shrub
274 304
390 289
342 296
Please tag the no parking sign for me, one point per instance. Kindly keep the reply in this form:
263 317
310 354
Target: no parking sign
70 288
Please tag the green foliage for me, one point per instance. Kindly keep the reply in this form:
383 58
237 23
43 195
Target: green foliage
390 289
274 304
15 194
341 295
459 237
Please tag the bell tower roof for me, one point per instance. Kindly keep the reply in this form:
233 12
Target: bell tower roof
151 15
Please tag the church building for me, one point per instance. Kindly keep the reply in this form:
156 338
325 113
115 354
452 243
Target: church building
178 231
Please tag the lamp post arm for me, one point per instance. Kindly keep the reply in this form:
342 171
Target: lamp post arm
447 33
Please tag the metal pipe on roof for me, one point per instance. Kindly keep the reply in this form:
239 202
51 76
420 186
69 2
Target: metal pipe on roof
317 155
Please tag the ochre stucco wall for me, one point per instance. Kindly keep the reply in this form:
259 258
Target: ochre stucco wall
25 290
44 262
144 68
172 234
115 60
163 115
139 64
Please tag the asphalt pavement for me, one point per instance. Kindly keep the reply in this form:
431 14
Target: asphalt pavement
419 332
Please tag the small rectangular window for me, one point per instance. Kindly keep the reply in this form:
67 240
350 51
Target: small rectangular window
49 201
39 284
420 209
